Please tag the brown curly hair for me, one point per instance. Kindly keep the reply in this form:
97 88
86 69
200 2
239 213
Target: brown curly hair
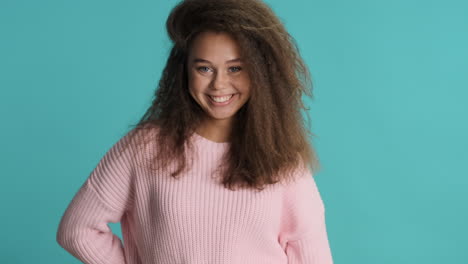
269 138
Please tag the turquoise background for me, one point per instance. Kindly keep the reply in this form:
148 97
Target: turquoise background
390 114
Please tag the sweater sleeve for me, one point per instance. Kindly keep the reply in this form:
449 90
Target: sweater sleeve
101 199
303 230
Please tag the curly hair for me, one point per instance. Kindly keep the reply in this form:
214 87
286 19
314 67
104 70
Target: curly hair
269 139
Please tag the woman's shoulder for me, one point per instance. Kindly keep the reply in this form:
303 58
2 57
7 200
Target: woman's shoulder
142 133
137 140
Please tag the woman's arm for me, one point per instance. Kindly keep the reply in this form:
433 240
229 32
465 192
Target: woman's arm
103 198
304 234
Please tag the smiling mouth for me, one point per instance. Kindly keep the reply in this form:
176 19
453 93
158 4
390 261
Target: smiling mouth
221 99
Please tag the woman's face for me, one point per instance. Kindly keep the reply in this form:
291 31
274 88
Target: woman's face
215 69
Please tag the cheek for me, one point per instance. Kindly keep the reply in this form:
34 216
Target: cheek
197 84
196 89
243 85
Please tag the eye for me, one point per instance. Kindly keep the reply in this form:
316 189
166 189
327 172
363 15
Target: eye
203 69
235 69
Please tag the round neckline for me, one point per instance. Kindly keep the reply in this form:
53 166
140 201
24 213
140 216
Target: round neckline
209 141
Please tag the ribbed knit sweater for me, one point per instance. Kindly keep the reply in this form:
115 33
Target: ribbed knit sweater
193 219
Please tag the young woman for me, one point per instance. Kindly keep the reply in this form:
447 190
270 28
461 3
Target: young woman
219 169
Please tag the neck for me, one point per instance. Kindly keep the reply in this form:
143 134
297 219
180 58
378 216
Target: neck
215 130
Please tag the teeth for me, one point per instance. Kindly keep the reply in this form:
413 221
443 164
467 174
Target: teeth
221 99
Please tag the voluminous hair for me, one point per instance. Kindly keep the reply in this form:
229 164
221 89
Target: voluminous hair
270 139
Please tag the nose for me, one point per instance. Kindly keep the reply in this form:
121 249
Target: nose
220 80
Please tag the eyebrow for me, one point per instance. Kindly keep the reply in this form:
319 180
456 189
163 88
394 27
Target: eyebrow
195 60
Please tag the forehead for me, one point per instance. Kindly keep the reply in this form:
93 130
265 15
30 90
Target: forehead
214 45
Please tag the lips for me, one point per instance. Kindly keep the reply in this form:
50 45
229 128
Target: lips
221 95
221 98
213 102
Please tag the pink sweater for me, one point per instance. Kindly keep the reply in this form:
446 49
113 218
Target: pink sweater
192 220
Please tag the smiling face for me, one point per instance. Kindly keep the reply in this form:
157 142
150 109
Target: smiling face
217 78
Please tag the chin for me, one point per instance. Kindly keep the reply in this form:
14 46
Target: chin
220 116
